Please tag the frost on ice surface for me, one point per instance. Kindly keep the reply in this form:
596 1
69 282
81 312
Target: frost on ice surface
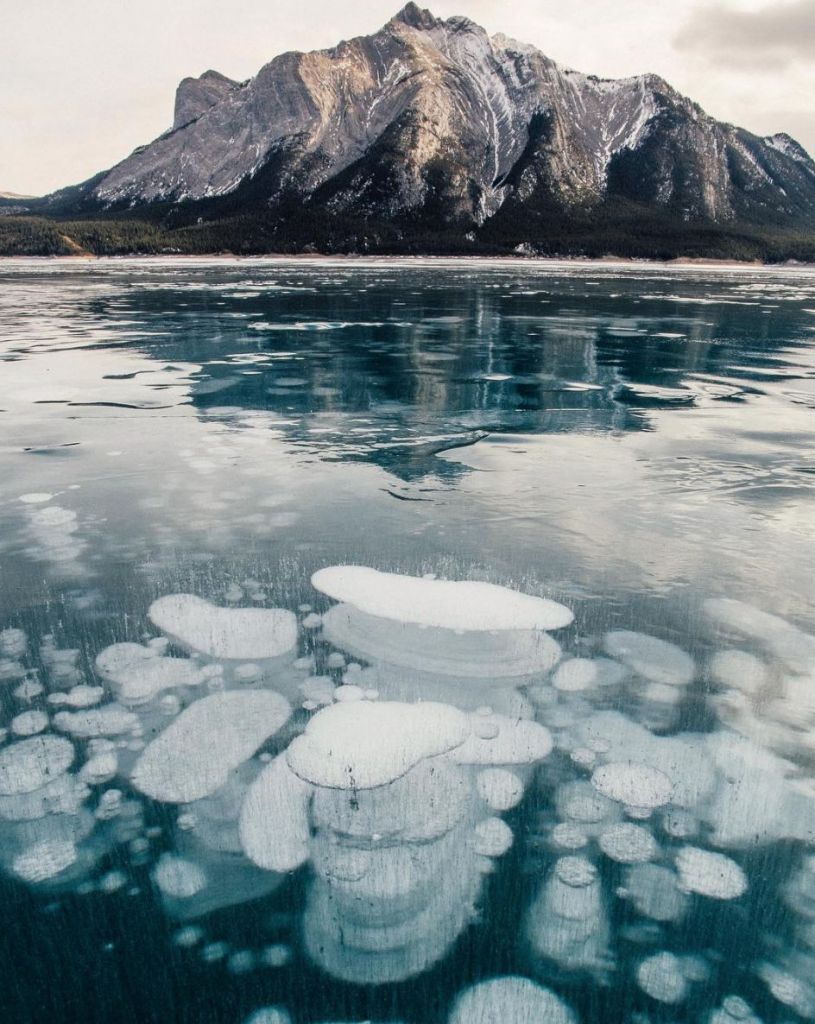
464 605
194 755
510 1000
247 634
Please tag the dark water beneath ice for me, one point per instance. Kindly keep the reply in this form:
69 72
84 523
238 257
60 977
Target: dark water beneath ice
632 442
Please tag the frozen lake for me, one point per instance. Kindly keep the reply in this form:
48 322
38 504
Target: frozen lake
239 777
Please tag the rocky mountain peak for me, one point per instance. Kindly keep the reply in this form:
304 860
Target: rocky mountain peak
195 96
416 17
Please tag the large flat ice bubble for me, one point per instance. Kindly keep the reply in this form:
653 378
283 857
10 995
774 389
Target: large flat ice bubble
510 1000
274 820
756 799
684 758
710 874
30 764
633 784
193 757
739 670
136 678
499 740
794 648
653 659
426 803
464 605
108 720
247 634
45 860
476 654
364 744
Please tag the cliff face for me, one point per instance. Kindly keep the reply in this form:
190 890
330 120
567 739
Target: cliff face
435 119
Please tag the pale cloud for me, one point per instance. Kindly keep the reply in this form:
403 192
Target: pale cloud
83 83
766 39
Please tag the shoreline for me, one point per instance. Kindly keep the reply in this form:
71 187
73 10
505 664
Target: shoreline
686 262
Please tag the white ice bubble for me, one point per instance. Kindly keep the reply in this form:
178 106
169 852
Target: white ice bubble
654 891
245 634
274 823
45 860
654 659
628 844
465 605
493 837
576 675
179 878
35 498
510 1000
107 720
363 744
500 740
269 1015
29 723
661 977
29 764
738 670
78 697
138 674
633 784
13 643
710 874
500 789
194 755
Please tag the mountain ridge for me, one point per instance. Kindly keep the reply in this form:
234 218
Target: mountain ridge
431 132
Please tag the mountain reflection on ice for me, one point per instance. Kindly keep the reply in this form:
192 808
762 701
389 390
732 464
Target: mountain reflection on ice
429 658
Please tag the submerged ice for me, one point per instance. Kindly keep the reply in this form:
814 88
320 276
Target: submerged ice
394 786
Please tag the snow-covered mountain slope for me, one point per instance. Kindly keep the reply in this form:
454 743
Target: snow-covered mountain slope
435 116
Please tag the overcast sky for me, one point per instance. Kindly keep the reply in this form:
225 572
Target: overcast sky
83 82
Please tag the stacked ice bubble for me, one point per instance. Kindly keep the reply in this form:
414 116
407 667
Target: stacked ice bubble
394 748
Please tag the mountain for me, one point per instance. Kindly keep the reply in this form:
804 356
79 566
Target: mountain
431 135
13 195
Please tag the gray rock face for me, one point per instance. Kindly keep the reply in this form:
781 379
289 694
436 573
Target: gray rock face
195 96
436 114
